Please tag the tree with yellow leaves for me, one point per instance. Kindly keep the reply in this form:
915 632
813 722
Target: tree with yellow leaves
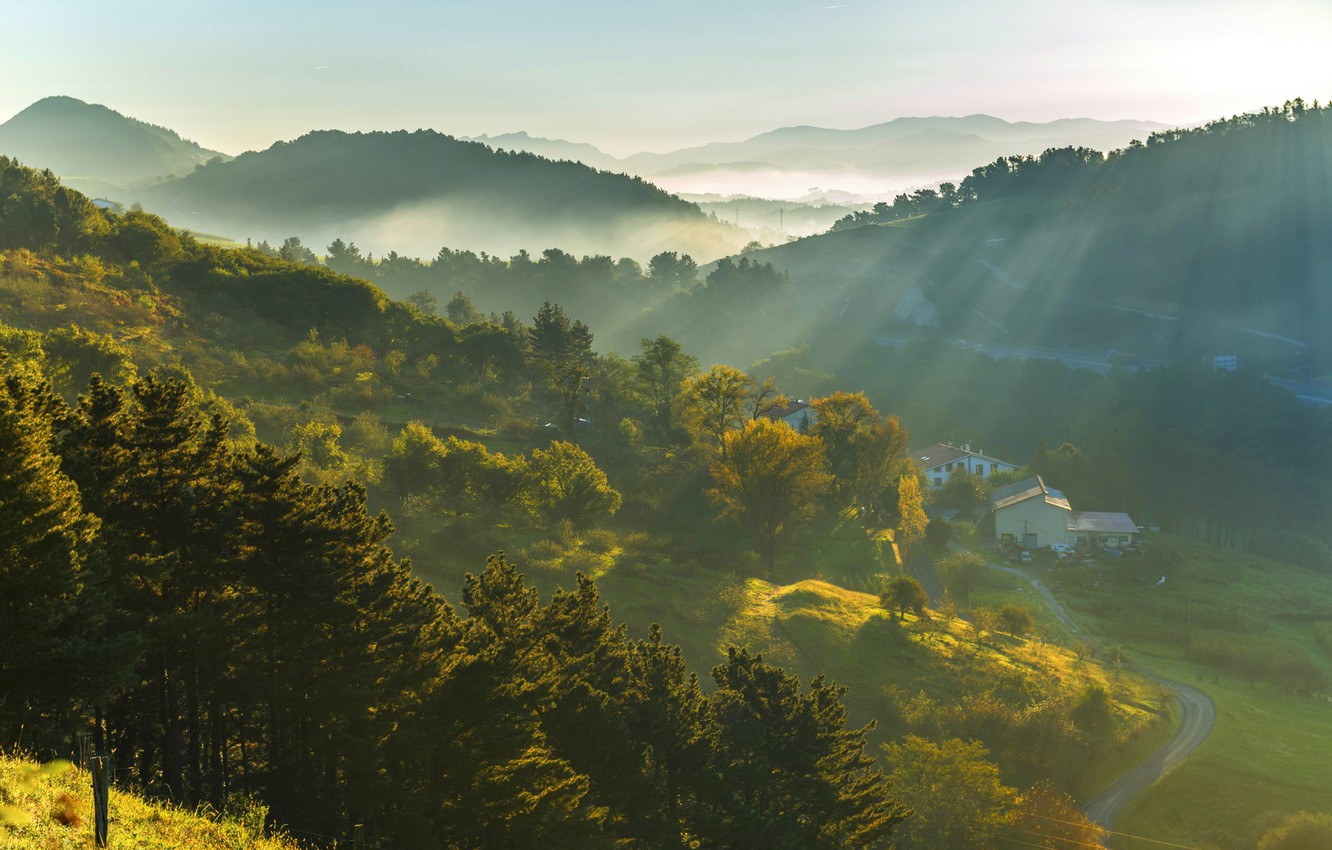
768 479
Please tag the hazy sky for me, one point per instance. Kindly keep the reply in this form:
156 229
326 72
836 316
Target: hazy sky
631 75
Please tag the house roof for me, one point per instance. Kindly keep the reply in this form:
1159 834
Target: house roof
1028 488
787 409
938 454
942 453
1100 521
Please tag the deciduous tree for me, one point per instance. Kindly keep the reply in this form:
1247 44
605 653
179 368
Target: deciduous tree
953 791
662 366
902 594
769 479
713 403
564 483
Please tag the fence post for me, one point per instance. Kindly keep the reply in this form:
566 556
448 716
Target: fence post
358 837
101 781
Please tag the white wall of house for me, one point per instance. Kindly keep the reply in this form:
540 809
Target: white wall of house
1032 516
802 419
978 465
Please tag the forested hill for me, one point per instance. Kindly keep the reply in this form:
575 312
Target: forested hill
1201 242
96 149
417 191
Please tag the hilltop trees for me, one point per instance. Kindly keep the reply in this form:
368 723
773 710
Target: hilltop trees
904 593
669 271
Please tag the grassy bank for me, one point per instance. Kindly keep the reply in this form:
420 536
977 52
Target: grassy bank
43 807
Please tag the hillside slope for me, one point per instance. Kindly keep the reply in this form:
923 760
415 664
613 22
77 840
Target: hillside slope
1199 243
96 149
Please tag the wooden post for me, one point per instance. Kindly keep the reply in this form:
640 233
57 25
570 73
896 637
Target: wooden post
101 781
358 837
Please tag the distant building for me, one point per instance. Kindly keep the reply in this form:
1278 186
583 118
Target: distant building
941 460
798 414
109 205
1031 514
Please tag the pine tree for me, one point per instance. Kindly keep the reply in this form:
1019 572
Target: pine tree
50 611
789 774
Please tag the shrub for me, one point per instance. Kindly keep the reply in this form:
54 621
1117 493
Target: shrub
599 540
1016 620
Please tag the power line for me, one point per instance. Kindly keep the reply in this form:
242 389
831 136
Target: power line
1121 834
1074 841
1042 846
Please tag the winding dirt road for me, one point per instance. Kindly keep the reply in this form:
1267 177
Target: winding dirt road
1197 716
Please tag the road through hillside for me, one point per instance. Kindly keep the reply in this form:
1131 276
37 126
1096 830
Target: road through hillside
1197 716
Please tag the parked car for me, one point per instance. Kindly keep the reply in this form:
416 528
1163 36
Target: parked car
1024 556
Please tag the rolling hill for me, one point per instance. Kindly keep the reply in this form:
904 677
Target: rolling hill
419 191
95 149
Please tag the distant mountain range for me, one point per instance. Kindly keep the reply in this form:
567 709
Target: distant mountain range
876 161
97 150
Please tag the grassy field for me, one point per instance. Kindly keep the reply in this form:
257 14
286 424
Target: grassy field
1269 753
50 807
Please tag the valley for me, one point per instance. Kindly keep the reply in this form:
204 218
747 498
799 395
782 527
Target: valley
400 543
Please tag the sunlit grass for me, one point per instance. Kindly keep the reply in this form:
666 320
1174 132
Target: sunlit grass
52 808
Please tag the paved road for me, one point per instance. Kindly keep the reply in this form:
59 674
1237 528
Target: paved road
1197 716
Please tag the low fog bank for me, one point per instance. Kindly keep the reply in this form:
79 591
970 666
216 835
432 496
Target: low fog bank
421 229
761 180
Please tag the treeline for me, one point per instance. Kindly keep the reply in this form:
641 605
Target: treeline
1282 143
227 628
672 294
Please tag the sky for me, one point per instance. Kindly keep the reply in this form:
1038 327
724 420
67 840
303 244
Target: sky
631 75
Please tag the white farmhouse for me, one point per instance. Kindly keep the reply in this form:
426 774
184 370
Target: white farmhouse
941 460
1031 514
